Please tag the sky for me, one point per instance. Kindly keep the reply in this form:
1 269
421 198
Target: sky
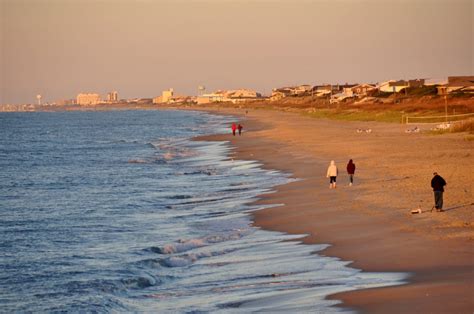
59 48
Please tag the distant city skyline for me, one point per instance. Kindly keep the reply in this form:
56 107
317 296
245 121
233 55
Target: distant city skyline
139 48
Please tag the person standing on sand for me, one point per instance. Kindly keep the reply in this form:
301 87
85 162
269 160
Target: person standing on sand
234 127
240 127
438 183
332 174
351 168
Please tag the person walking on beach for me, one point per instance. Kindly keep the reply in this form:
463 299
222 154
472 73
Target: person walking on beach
234 128
438 183
351 168
332 174
240 127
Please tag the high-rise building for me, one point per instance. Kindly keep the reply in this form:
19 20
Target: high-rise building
167 95
112 97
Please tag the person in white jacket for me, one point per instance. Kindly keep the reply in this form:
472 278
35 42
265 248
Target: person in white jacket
332 174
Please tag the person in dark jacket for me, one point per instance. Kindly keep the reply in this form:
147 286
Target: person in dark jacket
240 127
438 183
351 168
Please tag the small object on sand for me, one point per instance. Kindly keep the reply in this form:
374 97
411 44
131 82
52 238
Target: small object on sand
416 211
414 130
442 126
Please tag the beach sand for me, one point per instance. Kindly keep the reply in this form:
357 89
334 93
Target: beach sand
370 222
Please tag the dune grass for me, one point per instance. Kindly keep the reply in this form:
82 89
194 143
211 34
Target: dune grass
356 115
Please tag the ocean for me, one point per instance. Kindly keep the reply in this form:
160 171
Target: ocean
121 211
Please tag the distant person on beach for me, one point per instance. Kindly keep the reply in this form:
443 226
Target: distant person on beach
234 128
438 183
332 174
240 127
351 168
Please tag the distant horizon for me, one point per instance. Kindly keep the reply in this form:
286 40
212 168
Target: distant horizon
59 49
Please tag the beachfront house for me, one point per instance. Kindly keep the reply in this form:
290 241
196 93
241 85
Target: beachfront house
362 90
217 96
345 94
301 89
282 92
392 86
457 84
416 83
241 95
322 90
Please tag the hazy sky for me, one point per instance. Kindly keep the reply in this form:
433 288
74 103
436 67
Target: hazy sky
59 48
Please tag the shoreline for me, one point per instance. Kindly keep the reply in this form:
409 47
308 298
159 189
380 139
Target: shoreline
369 223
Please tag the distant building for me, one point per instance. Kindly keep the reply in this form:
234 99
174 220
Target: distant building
158 100
436 81
112 97
166 95
65 102
459 84
416 83
282 92
234 96
88 99
180 99
322 90
144 101
393 86
241 95
362 89
338 97
210 98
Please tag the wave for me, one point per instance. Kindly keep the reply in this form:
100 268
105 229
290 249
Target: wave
181 246
186 245
112 286
139 282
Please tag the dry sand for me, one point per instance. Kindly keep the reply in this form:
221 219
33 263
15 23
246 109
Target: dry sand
370 223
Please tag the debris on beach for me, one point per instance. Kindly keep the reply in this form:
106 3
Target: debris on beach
416 211
414 130
442 126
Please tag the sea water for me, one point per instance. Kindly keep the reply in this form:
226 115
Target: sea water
122 211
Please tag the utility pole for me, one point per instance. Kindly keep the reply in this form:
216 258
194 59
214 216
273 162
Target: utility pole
446 106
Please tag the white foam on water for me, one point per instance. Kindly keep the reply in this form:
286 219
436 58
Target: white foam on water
234 267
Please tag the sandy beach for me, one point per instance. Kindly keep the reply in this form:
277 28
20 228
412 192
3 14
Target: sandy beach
370 222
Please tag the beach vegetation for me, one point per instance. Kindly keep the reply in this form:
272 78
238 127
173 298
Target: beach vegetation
421 91
381 94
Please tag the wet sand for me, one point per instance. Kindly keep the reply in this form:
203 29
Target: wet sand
370 223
